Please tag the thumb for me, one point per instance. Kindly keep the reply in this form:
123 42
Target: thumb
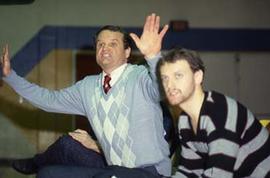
163 31
135 38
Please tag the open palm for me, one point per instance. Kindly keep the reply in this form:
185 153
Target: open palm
151 39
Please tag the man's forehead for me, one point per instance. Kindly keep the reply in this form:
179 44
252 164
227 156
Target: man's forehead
178 65
108 39
179 62
111 35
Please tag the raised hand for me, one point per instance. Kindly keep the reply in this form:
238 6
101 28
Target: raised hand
84 138
5 61
151 39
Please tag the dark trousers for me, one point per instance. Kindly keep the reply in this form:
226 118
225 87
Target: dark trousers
85 172
67 151
67 158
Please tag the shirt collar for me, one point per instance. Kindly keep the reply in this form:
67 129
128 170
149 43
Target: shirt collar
115 74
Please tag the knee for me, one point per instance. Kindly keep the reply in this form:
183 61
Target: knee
65 142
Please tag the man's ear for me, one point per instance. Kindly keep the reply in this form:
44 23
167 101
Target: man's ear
198 77
128 51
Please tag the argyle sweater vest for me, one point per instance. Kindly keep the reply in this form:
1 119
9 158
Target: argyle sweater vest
110 120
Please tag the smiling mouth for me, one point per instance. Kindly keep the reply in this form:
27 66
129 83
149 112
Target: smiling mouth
105 56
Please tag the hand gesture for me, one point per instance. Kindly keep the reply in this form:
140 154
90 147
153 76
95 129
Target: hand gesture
84 138
5 61
151 40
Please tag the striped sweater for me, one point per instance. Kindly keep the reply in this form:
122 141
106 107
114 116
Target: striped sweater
230 142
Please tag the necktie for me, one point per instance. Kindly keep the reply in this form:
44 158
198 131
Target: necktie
106 85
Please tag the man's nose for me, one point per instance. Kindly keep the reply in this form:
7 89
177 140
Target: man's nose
105 47
170 84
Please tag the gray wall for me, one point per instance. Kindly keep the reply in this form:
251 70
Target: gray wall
242 75
21 22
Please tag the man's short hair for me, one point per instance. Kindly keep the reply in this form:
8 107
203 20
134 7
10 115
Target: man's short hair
126 38
176 54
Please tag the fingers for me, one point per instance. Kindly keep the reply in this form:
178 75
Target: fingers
5 61
163 31
3 50
78 133
84 138
6 51
77 136
2 55
152 23
156 24
72 134
5 54
147 23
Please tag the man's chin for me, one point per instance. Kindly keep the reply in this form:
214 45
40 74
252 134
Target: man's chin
173 102
106 62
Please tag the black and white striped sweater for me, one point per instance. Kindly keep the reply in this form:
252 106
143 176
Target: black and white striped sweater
229 142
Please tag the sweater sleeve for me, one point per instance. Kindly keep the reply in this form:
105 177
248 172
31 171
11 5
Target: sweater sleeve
149 82
152 65
67 100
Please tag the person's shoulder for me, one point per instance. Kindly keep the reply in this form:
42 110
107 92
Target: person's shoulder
222 100
216 104
137 69
214 96
89 79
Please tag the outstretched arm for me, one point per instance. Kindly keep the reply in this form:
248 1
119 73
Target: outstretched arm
151 39
67 100
5 61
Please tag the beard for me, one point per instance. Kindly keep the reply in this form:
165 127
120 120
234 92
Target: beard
178 97
175 99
